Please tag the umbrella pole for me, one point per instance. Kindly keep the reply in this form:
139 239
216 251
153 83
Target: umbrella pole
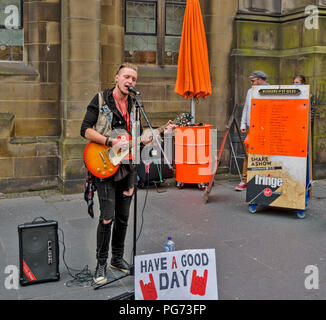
193 113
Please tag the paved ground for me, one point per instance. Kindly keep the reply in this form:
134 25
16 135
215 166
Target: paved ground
258 256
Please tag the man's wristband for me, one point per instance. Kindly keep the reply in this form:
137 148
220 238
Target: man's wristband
108 142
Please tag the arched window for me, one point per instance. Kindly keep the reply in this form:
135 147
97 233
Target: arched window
153 30
11 30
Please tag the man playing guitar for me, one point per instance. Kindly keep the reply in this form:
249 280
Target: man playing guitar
114 193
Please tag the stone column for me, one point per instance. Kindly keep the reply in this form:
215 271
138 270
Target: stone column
218 20
112 40
80 31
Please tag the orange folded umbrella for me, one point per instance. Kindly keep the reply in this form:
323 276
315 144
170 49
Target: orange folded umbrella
193 76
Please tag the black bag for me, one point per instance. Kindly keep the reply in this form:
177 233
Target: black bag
153 168
153 173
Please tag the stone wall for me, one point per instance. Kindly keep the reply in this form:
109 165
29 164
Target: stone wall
29 108
72 51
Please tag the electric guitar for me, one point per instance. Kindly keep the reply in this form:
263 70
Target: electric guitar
103 161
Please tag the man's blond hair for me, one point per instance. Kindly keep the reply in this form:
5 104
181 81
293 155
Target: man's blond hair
127 65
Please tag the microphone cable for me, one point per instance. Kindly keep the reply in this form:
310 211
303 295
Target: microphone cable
142 213
142 217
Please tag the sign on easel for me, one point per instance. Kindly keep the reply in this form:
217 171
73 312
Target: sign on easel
176 275
278 146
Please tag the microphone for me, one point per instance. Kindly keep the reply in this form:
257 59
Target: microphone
133 90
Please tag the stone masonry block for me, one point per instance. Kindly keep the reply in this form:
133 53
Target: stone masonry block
112 35
36 32
320 121
47 149
114 54
81 71
29 91
71 128
257 35
79 50
8 149
6 125
79 92
44 52
37 127
320 152
31 109
6 168
53 32
152 92
71 186
73 169
81 30
54 71
28 184
75 110
290 36
319 65
90 9
109 15
72 149
319 90
44 11
35 167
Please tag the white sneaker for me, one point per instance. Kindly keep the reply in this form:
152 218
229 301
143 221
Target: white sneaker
241 186
100 274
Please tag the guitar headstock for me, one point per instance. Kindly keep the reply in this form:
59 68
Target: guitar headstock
183 119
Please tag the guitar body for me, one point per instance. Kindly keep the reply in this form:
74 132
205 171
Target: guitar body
103 162
97 160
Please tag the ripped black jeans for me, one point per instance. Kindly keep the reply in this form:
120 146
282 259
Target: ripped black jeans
113 205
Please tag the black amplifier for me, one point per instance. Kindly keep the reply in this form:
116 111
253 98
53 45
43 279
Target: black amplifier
38 252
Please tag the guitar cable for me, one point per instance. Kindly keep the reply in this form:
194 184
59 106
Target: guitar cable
81 277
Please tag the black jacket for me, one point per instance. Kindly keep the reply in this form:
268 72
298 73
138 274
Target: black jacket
90 119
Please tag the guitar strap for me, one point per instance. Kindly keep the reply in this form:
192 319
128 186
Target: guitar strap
104 107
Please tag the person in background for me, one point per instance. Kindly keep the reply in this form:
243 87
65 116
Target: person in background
301 79
257 78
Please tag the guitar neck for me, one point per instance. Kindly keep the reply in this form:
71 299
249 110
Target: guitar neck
159 130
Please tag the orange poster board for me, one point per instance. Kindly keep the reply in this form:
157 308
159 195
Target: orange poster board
279 127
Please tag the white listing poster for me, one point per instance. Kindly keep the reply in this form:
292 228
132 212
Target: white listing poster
176 275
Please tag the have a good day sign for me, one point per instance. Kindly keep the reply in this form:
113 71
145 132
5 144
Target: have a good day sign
176 275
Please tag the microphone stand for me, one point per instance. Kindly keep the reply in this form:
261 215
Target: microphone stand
130 295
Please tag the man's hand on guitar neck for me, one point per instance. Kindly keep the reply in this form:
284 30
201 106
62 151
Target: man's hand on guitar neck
146 139
169 127
147 136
